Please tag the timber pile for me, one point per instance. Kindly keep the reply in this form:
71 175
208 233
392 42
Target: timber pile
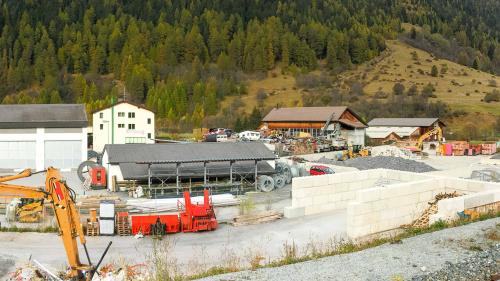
89 202
256 218
92 228
122 224
171 204
423 220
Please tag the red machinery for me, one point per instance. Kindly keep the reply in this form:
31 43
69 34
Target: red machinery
97 177
192 218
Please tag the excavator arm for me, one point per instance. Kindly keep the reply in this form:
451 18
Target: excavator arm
62 199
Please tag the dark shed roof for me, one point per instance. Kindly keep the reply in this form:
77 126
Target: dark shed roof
187 152
403 122
43 116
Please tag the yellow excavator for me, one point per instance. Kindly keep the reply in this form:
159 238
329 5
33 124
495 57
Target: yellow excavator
420 142
62 199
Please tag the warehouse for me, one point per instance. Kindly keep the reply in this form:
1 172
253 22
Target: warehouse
394 129
40 135
293 120
178 162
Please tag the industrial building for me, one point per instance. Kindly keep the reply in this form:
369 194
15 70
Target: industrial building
122 123
292 120
180 162
41 135
394 129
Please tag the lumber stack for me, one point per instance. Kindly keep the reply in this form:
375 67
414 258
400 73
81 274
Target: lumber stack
92 223
89 202
256 218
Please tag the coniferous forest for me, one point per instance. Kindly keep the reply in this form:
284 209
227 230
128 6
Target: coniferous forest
181 58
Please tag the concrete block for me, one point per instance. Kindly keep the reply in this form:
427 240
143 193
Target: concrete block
425 196
475 186
355 208
320 200
450 207
368 195
378 205
300 193
294 212
478 199
497 195
435 218
319 180
340 187
302 182
304 202
358 231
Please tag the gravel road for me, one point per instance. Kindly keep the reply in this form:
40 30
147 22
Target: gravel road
415 257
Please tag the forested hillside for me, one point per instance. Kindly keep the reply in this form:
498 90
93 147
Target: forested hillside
182 58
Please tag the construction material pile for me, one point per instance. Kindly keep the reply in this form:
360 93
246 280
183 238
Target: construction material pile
381 162
423 220
262 217
170 204
390 150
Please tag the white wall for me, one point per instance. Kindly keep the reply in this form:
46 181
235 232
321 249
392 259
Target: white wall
111 170
41 135
103 136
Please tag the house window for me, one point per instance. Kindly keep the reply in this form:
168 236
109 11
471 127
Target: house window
131 115
149 135
131 126
121 114
101 115
121 125
101 126
149 120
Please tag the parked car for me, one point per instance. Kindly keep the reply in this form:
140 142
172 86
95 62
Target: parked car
317 170
249 135
228 132
215 138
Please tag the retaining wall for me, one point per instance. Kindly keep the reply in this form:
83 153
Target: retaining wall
317 194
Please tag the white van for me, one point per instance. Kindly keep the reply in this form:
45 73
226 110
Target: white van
249 135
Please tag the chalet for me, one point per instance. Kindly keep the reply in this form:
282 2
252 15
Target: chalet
395 129
292 121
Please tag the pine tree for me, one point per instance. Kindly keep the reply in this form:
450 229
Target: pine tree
434 71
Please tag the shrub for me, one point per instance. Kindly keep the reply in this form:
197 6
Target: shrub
493 96
398 89
434 71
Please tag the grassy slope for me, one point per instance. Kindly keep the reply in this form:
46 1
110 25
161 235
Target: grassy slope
280 89
397 65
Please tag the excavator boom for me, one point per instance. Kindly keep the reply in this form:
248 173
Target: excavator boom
62 199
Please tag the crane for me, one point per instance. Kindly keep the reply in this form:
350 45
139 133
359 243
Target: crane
62 199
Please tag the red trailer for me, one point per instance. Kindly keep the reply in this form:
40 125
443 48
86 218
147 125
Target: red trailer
191 218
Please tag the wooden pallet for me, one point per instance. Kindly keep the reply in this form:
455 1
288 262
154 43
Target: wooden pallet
122 224
92 228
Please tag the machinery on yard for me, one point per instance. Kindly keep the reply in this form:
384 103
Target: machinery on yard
62 199
29 210
420 142
92 174
191 218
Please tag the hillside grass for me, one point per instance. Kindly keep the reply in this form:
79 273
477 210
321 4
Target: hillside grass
280 89
462 87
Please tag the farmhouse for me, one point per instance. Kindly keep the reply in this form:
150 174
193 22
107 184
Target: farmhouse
41 135
334 119
122 123
387 129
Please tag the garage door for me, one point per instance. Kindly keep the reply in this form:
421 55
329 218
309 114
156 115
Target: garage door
17 154
63 154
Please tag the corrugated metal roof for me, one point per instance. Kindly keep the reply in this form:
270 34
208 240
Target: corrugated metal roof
403 122
132 171
43 116
187 152
305 114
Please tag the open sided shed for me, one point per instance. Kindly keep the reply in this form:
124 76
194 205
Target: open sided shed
163 162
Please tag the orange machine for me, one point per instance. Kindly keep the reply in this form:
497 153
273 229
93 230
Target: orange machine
68 219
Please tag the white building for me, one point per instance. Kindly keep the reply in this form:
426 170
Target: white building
122 123
41 135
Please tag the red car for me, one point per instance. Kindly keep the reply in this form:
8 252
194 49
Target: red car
317 170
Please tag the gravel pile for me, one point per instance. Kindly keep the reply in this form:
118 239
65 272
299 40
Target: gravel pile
480 267
384 162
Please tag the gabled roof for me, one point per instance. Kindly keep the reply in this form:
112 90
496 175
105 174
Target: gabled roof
403 122
122 102
18 116
187 152
307 114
